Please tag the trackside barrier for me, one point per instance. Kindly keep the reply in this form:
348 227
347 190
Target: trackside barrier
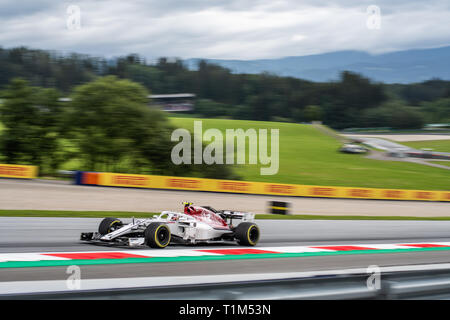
429 155
279 207
426 284
259 188
18 171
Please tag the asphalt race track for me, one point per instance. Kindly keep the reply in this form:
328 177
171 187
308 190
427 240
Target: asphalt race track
20 234
40 235
61 235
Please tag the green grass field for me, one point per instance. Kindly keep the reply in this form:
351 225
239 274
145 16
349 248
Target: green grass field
307 156
436 145
442 163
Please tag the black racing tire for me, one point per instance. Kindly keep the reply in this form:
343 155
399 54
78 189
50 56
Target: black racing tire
157 235
247 234
108 225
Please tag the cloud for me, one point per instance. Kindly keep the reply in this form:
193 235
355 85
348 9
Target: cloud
232 29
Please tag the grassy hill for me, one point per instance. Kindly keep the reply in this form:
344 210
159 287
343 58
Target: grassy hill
307 156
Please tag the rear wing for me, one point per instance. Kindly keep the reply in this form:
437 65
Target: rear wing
230 214
244 216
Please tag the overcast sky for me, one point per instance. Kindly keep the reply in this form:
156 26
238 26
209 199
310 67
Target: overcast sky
225 29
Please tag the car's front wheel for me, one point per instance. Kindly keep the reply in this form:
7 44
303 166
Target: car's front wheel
109 225
247 234
157 235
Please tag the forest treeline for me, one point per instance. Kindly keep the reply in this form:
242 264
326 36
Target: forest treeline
351 101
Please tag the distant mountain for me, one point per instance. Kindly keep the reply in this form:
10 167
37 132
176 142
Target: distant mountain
396 67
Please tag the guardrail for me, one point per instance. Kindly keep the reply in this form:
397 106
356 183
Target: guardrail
424 284
429 155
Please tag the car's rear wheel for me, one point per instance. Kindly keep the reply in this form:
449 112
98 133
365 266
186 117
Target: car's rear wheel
157 235
247 234
108 225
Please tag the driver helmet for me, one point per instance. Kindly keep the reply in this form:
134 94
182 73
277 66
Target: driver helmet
187 207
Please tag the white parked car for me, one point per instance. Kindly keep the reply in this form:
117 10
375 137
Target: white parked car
353 148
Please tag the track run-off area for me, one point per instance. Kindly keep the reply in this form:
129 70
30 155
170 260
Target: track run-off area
63 195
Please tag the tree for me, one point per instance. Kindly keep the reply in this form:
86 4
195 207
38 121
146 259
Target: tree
312 113
31 117
50 112
393 114
297 115
376 117
437 111
114 129
108 120
19 120
406 118
209 108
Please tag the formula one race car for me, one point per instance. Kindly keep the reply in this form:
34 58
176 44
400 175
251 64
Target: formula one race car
196 224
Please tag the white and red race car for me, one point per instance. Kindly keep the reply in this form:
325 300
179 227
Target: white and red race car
198 224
